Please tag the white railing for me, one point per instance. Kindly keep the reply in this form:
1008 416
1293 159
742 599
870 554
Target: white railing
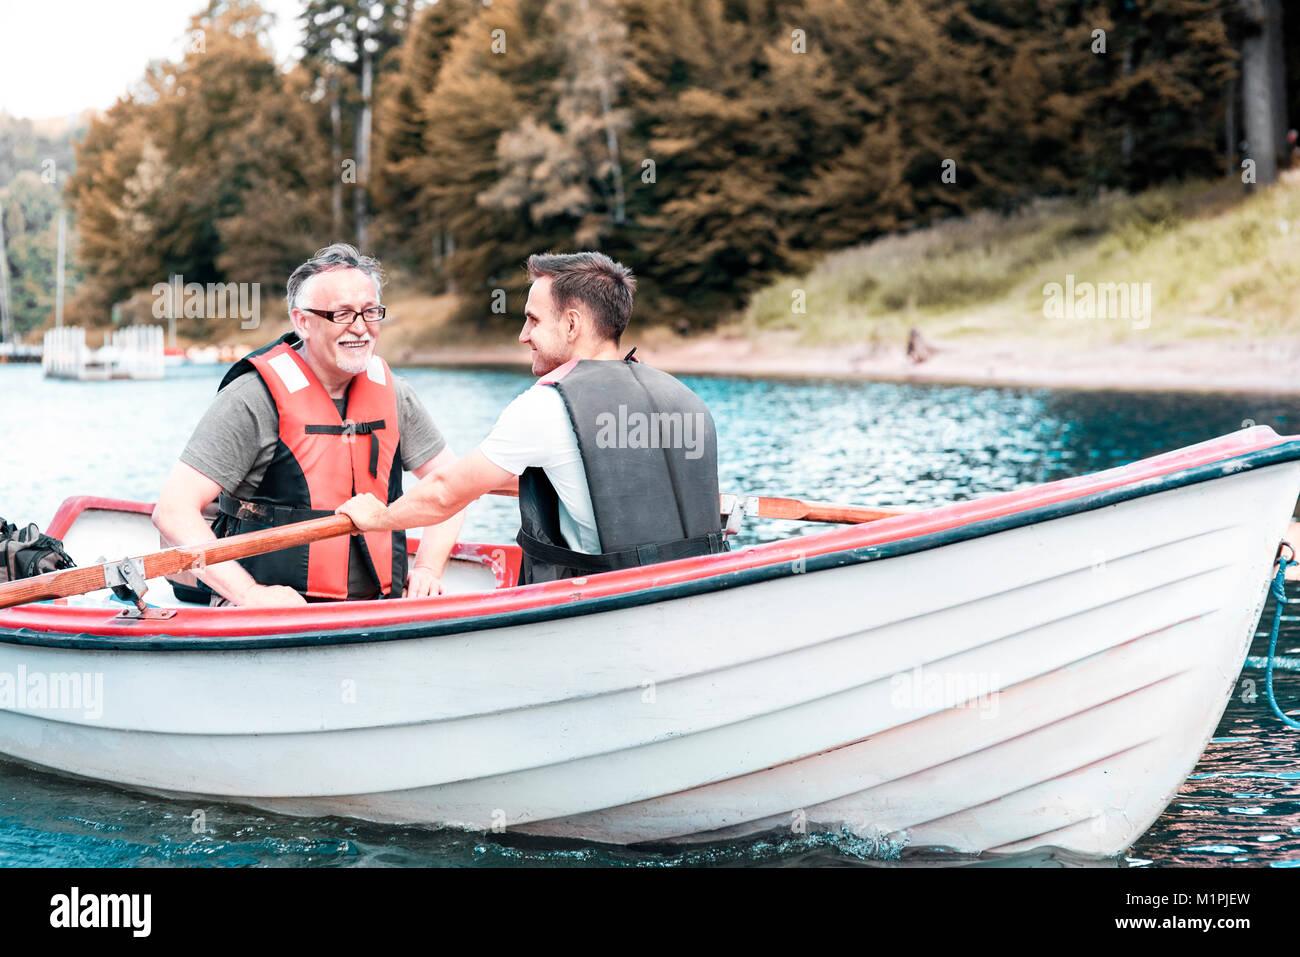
132 353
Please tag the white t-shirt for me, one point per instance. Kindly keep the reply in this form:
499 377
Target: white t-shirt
535 431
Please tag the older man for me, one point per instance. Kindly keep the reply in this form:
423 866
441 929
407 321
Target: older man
298 427
617 462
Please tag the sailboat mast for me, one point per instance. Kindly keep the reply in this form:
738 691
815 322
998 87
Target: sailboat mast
6 322
58 271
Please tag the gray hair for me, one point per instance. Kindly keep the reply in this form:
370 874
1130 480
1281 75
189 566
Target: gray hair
336 256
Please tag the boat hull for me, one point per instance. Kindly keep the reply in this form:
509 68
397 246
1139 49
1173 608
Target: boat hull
1048 680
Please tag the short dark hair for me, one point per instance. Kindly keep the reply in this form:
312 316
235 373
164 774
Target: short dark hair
593 279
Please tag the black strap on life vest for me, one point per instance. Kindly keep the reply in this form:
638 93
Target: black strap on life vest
266 513
541 551
272 515
354 428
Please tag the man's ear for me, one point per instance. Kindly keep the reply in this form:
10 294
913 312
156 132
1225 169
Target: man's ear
299 323
573 323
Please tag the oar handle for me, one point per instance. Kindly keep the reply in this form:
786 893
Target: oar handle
170 561
185 557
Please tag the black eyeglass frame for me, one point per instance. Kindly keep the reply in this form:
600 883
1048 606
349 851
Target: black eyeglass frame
353 314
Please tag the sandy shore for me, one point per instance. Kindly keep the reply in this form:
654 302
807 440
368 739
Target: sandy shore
1210 365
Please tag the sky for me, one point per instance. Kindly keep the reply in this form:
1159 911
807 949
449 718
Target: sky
59 57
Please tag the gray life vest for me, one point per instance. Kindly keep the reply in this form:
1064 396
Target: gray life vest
650 453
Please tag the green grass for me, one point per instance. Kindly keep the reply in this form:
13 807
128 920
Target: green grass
1220 263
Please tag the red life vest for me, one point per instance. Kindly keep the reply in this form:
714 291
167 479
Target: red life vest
337 458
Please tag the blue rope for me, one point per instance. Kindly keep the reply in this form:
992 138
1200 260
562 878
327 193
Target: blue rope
1279 593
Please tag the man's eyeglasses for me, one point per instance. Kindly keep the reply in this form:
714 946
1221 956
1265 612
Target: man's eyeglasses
346 317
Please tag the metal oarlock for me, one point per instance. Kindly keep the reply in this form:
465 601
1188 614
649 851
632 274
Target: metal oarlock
733 509
126 578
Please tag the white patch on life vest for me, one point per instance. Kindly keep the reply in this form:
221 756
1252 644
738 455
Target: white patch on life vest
375 370
288 372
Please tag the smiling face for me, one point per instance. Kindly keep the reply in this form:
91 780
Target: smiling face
547 330
334 351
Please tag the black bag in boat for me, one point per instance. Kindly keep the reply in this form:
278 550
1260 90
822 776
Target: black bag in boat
27 553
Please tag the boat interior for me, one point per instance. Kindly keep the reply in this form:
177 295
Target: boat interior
99 529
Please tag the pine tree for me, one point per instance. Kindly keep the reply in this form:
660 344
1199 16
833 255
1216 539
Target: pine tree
566 170
854 185
356 36
402 230
500 68
709 217
1156 97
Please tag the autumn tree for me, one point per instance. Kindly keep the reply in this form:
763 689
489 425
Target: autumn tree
212 170
566 169
420 242
500 68
116 193
717 153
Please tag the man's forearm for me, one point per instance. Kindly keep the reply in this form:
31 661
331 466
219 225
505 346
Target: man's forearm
436 544
437 497
429 504
229 579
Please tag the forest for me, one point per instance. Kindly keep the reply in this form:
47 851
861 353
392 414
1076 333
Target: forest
712 145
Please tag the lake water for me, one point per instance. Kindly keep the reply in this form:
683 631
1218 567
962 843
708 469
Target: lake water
871 443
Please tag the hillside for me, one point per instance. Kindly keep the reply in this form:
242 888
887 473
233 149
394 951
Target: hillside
1219 264
1221 269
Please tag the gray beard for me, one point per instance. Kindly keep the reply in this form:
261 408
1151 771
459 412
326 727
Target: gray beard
354 365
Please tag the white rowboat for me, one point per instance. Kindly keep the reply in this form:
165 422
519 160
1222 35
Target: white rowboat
1032 669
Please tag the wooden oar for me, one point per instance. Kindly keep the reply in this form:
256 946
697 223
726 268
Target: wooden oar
171 561
134 571
793 508
790 508
801 511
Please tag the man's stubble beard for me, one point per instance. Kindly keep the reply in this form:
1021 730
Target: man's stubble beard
545 364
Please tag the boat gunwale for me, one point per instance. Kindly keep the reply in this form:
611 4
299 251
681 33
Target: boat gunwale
549 604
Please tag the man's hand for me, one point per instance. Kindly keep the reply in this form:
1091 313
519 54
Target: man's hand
270 596
422 583
366 512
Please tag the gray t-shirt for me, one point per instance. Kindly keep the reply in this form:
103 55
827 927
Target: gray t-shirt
235 441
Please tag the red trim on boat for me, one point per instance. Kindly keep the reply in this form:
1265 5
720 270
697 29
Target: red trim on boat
233 622
72 507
